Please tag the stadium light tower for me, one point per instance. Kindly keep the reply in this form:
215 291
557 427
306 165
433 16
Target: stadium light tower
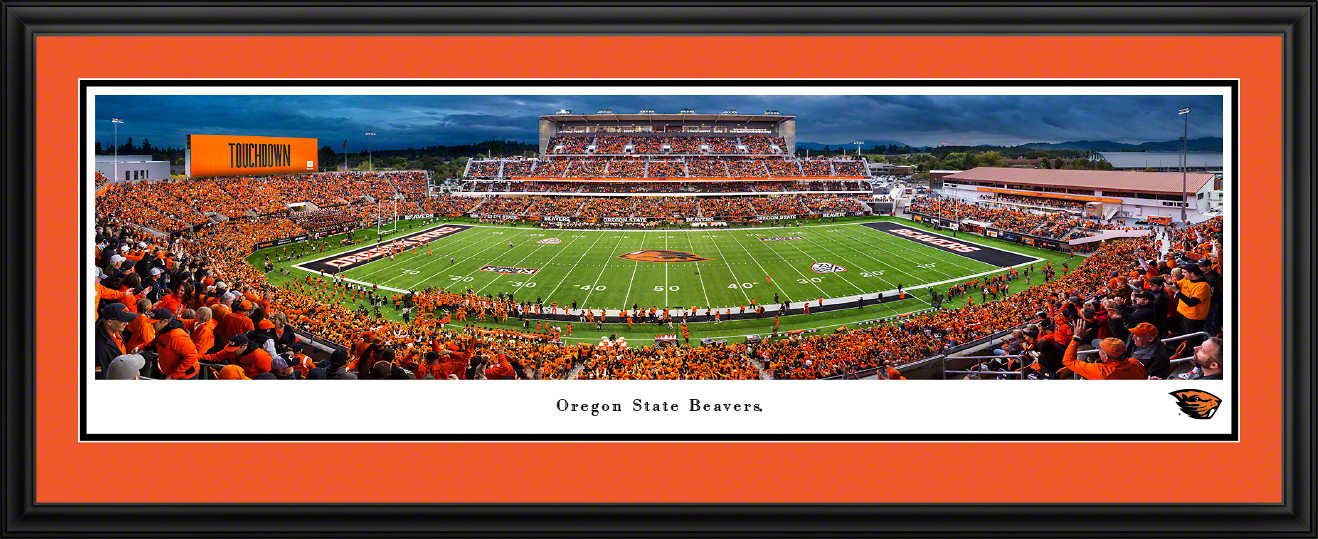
858 144
116 122
369 160
1185 145
345 151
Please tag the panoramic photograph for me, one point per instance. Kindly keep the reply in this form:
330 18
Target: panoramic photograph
659 237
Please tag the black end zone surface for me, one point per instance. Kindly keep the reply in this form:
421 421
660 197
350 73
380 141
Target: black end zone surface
375 251
973 251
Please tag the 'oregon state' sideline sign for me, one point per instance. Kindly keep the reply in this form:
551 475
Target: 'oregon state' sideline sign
352 259
663 255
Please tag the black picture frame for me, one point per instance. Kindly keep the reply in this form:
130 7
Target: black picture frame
23 21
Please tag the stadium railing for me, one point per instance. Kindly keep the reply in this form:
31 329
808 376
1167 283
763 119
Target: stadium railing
980 363
1174 361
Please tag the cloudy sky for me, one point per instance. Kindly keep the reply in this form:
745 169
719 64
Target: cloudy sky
416 121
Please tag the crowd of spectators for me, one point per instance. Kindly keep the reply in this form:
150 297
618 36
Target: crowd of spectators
625 168
191 300
448 205
694 166
329 217
721 145
513 168
484 168
817 167
551 168
707 167
684 145
760 144
831 203
783 167
586 168
608 206
667 169
776 205
1042 202
1057 225
849 168
746 168
504 205
611 144
570 145
559 206
666 207
161 205
1108 295
651 144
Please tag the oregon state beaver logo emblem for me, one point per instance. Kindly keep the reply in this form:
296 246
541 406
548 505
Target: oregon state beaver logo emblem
1197 404
663 255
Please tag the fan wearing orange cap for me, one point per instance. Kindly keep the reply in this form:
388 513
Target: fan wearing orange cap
232 372
1145 346
1113 363
236 323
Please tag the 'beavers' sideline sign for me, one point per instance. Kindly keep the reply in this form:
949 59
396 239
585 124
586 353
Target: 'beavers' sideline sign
351 259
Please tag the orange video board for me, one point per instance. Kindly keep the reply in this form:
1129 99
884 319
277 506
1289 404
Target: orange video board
236 155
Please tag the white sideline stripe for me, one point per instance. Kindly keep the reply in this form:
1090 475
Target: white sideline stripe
857 323
767 307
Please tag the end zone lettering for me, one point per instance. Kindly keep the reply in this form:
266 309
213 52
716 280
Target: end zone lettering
783 239
366 254
935 240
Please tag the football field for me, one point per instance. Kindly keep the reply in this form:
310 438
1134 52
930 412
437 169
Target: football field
684 268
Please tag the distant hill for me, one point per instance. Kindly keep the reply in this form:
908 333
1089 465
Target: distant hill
847 145
1206 144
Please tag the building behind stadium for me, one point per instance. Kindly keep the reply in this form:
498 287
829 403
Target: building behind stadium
131 168
1108 194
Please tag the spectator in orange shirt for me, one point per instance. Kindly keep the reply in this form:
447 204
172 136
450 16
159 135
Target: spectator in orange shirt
1113 363
237 322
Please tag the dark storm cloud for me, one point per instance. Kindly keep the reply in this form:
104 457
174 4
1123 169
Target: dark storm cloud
416 121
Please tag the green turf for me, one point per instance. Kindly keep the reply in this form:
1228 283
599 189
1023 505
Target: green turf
585 268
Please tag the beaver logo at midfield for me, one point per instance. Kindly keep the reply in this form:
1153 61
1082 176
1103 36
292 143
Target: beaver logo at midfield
663 255
1197 404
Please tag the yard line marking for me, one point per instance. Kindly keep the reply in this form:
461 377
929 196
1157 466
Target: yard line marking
702 279
760 332
574 268
734 274
798 272
493 244
474 243
606 265
666 305
840 277
893 251
633 281
885 265
757 262
501 276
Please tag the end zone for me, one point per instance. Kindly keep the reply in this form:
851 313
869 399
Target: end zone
351 259
973 251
